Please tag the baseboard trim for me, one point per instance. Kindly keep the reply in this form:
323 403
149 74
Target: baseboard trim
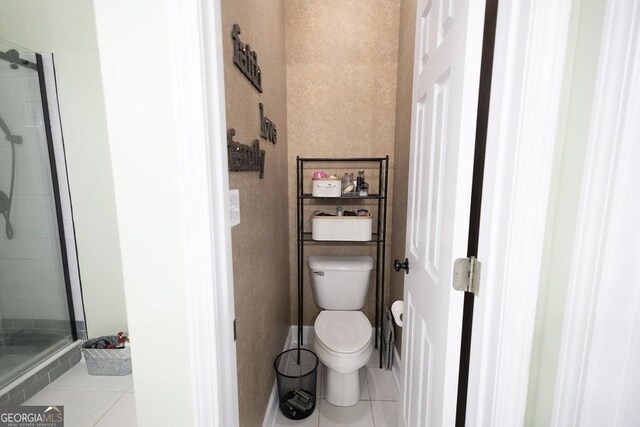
308 335
272 408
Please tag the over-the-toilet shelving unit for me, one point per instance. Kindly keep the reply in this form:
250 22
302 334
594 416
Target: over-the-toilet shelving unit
378 237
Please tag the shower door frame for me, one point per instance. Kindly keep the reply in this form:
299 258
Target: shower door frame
55 182
45 68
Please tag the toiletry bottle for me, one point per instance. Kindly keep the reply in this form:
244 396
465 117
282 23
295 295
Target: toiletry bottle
364 190
359 180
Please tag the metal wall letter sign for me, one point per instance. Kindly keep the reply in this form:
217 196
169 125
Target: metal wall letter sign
243 157
246 59
267 127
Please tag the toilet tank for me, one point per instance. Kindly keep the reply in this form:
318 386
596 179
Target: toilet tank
340 283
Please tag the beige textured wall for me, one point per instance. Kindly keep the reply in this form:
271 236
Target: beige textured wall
261 241
341 89
401 152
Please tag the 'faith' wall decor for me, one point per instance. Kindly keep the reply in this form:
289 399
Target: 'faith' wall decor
268 129
246 59
244 157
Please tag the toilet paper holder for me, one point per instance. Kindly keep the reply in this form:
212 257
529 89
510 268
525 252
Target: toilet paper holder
397 311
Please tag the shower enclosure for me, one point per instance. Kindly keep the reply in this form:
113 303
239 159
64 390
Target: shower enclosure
36 305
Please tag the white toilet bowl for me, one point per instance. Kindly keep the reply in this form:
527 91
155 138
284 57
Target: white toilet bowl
344 344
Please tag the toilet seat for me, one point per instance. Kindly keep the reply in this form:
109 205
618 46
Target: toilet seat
343 332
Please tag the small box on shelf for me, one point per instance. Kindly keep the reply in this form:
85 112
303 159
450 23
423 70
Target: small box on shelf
326 187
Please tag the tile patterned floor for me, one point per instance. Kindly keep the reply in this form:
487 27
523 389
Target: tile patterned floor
110 401
91 400
379 404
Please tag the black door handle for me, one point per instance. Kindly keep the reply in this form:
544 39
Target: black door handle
397 265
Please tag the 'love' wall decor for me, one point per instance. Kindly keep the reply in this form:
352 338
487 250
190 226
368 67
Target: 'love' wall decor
268 129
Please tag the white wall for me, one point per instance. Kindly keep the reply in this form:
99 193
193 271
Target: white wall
67 28
578 88
113 66
32 282
145 145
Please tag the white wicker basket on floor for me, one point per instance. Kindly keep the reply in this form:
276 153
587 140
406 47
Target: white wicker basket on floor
114 362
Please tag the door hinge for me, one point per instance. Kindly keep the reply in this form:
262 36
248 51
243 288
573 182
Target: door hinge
466 275
235 334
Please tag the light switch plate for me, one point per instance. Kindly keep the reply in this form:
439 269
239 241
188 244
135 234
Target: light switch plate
234 205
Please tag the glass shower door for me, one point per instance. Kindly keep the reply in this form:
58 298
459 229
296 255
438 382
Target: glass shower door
35 307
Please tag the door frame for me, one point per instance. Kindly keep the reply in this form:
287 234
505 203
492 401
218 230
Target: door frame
161 68
521 139
613 131
512 223
196 29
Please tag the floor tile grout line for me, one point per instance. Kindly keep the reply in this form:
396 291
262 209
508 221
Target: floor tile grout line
86 391
366 376
110 408
373 416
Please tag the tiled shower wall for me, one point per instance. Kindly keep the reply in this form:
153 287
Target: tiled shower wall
33 332
31 277
41 378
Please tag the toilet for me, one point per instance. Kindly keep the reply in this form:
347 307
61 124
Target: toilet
343 334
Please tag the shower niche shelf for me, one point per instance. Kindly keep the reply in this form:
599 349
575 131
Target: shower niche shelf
376 202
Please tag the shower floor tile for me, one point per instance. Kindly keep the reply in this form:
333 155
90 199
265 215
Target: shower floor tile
91 400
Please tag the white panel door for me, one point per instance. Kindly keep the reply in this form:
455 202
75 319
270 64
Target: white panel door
445 93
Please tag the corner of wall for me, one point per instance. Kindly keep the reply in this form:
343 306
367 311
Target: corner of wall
401 149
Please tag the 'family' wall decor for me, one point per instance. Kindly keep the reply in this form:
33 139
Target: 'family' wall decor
244 157
246 59
268 129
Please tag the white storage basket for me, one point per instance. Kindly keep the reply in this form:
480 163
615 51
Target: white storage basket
112 362
107 361
341 228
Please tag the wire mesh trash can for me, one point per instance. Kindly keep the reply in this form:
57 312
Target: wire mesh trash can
296 372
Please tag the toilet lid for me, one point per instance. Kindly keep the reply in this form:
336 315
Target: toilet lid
343 331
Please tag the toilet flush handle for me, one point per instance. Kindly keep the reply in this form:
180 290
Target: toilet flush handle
397 265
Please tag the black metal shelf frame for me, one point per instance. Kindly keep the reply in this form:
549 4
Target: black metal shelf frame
370 196
307 237
378 238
